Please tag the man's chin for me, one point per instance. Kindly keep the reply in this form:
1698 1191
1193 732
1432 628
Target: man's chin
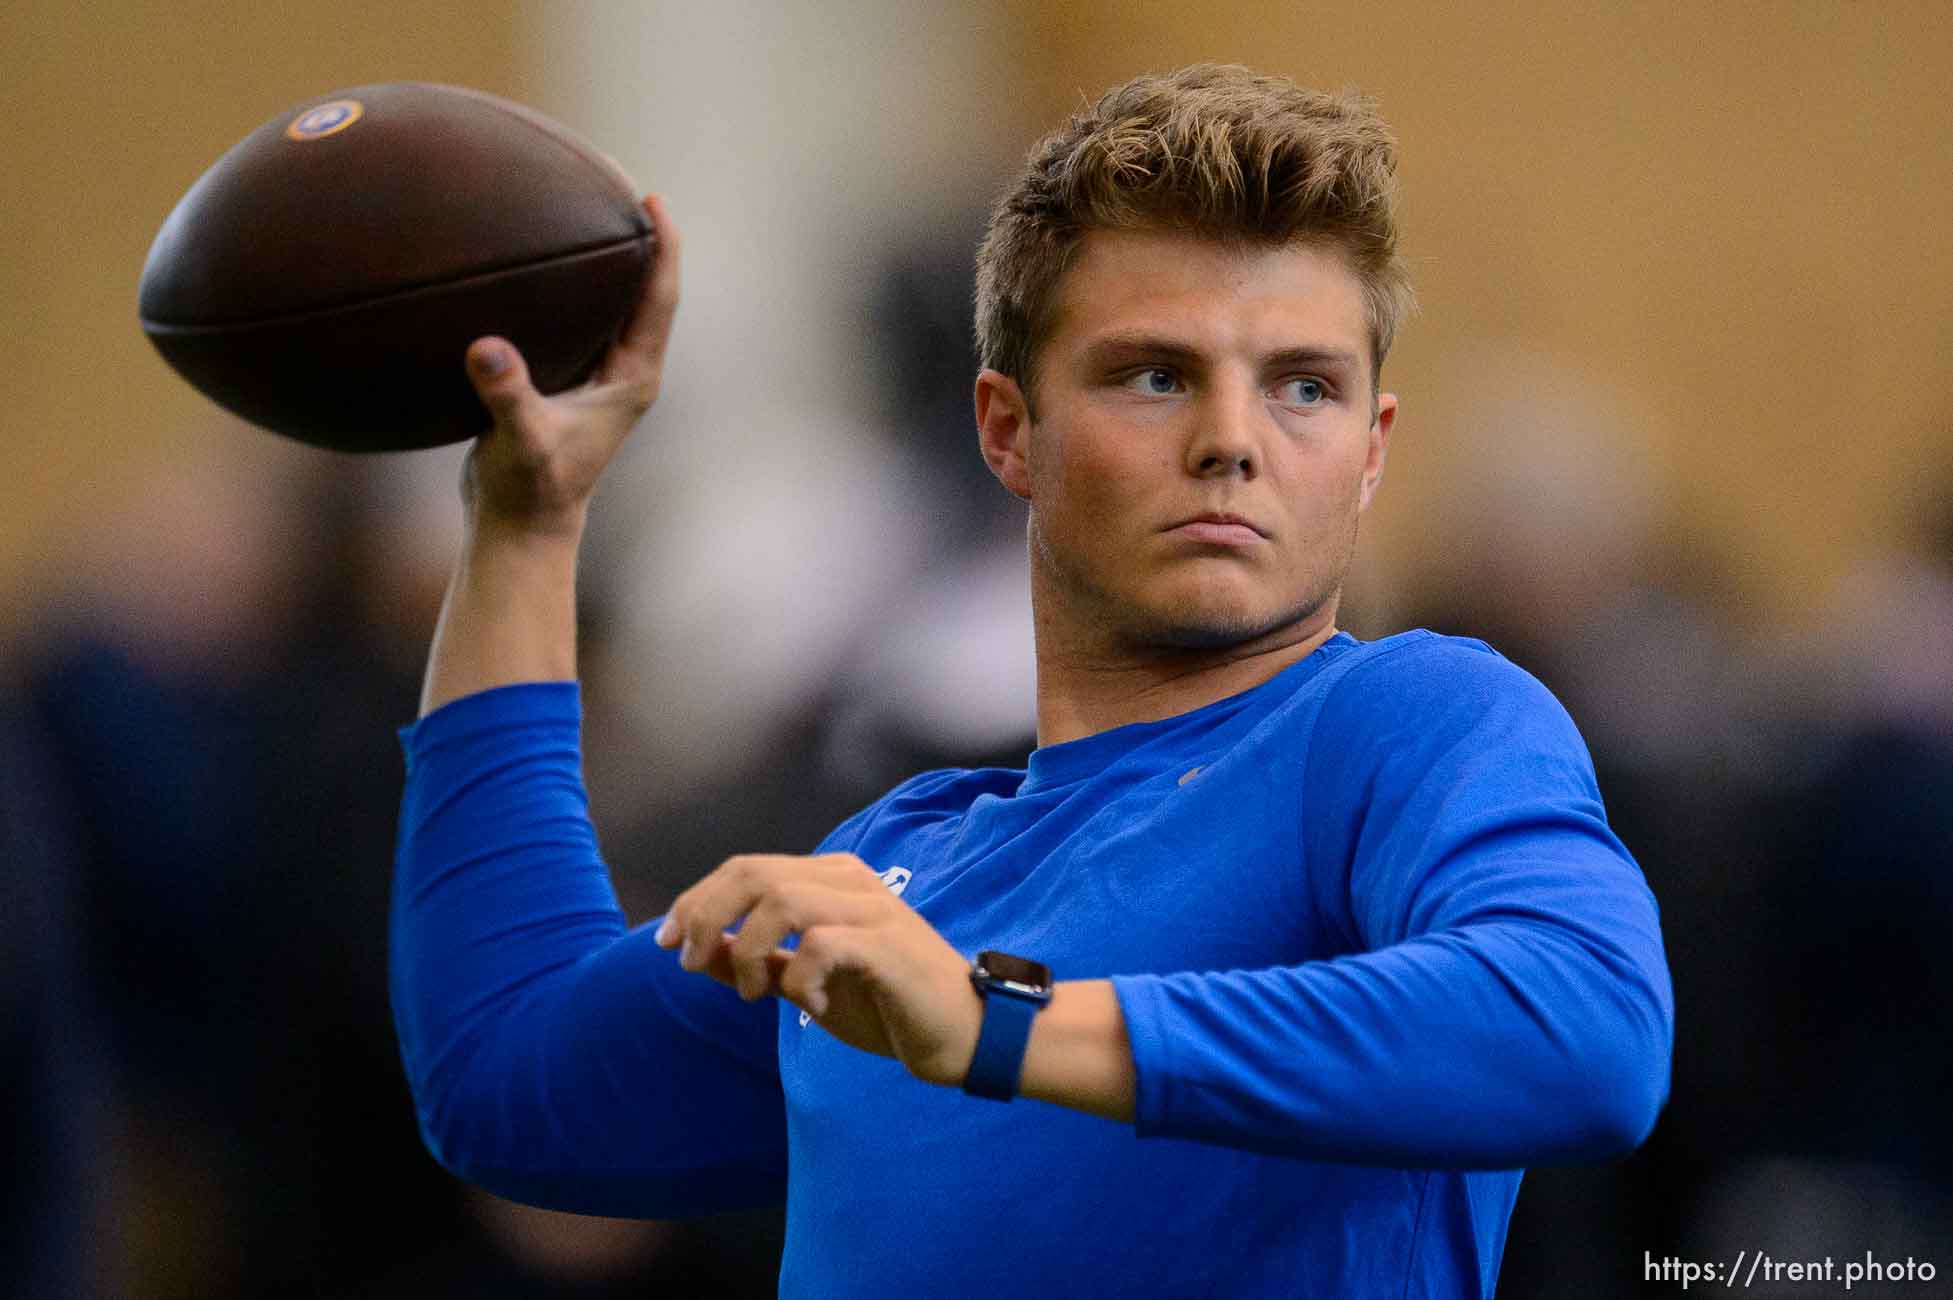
1208 630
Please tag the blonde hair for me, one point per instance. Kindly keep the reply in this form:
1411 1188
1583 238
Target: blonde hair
1213 149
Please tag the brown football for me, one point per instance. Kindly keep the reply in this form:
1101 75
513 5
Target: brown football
325 277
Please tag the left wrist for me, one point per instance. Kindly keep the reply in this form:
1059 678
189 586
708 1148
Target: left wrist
1012 991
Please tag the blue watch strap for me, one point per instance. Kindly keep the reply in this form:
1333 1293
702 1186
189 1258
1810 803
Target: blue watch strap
999 1060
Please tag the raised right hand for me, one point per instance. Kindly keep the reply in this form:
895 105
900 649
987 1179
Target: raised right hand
535 470
510 613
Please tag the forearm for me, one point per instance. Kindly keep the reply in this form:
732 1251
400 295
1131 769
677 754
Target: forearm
509 615
1491 1046
1451 1070
1079 1055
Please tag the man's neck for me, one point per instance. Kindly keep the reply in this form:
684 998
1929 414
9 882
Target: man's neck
1083 691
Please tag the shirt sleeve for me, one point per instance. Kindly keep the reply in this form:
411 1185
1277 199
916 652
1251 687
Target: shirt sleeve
1507 1002
557 1057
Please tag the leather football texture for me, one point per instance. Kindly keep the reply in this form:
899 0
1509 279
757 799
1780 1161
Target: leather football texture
324 278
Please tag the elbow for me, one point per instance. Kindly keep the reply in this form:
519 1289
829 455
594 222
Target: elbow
460 1084
1625 1087
465 1143
480 1125
1624 1114
1619 1059
447 1133
461 1115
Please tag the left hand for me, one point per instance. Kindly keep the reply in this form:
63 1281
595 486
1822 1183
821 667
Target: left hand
868 967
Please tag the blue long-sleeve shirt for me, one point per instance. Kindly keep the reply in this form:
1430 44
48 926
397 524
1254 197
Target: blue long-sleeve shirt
1374 943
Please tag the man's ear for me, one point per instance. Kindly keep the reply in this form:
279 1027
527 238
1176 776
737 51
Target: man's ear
1003 430
1379 447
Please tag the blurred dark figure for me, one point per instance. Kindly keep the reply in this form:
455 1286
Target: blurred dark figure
217 700
52 1099
1792 807
217 708
1850 1144
1554 551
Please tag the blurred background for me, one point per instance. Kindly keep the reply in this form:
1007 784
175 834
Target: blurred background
1677 435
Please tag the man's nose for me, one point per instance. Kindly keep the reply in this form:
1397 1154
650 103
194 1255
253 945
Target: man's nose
1226 432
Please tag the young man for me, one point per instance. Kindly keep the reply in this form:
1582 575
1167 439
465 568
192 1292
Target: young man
1338 939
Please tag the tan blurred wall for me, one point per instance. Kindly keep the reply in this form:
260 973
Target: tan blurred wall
1736 216
111 110
1732 218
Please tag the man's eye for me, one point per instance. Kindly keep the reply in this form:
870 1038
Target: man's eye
1302 392
1154 381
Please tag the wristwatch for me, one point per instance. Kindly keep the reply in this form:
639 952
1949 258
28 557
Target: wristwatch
1014 990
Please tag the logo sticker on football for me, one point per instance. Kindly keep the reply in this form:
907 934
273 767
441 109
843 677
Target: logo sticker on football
327 119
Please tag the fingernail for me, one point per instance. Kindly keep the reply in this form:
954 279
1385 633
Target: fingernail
685 954
666 933
492 361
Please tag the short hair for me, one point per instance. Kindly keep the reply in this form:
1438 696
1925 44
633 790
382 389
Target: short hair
1213 149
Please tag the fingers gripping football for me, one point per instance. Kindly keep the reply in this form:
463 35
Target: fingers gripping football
539 464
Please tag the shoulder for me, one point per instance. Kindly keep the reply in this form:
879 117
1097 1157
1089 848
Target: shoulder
1423 672
1416 699
1422 655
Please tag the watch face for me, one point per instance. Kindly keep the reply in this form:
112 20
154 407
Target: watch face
1015 970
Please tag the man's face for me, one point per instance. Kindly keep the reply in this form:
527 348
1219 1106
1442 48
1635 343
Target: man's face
1185 378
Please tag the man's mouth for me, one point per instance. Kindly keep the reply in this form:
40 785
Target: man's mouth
1220 528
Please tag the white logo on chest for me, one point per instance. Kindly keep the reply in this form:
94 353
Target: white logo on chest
897 880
